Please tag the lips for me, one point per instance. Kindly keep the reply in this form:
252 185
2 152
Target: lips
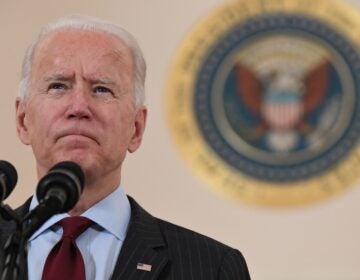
76 132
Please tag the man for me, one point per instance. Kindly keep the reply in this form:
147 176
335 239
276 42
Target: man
81 100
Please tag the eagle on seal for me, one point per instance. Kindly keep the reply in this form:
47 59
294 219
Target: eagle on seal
282 99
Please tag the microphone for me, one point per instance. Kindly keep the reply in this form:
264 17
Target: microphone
63 184
57 192
8 179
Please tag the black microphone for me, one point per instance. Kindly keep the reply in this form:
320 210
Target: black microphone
8 179
57 192
63 184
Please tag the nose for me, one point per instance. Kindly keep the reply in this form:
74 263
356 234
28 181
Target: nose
79 104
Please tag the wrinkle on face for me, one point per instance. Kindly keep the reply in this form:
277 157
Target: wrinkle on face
46 58
82 60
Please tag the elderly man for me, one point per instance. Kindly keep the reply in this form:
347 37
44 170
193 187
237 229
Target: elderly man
81 100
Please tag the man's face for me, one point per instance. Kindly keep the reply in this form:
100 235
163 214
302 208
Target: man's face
80 106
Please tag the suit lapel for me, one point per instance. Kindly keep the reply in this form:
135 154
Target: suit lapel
144 244
143 254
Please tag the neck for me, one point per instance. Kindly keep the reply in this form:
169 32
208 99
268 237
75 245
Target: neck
92 194
96 188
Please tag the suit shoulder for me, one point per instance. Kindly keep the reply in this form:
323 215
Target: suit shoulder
173 232
191 255
194 249
176 237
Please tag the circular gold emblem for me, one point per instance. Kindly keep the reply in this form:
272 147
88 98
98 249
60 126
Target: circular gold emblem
263 100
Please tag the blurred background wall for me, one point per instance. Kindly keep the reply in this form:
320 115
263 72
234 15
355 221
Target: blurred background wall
318 241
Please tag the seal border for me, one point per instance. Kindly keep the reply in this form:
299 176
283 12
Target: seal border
181 119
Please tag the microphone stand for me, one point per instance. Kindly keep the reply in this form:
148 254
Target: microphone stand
15 257
59 191
15 265
33 220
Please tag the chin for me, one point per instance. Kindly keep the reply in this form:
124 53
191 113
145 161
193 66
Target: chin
84 160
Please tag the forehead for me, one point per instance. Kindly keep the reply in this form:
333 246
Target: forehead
68 45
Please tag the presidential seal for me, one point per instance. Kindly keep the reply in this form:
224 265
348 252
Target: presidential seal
263 100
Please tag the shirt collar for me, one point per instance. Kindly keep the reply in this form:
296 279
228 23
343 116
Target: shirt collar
111 213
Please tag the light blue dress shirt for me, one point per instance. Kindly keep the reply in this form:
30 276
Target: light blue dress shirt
99 245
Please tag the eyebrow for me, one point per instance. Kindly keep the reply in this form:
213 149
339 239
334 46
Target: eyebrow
105 81
64 78
58 77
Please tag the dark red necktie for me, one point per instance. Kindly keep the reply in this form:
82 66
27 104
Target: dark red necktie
65 260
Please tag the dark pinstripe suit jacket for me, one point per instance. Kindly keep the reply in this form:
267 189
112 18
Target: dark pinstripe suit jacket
173 252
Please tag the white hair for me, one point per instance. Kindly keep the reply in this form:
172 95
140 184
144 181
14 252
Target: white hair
91 24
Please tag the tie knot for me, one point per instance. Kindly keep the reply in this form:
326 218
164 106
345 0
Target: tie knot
74 226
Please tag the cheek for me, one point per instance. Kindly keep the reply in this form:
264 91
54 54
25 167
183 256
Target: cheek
39 124
120 131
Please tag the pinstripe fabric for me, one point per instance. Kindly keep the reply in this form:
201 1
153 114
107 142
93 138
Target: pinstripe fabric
175 253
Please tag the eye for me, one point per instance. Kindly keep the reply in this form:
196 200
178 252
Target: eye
102 89
57 86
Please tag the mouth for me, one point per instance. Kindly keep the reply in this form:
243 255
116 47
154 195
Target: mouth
78 136
75 137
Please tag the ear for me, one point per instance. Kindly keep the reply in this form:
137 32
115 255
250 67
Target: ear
139 128
21 126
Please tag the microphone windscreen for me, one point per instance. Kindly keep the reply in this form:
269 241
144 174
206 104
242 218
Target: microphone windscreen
72 167
65 182
11 177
